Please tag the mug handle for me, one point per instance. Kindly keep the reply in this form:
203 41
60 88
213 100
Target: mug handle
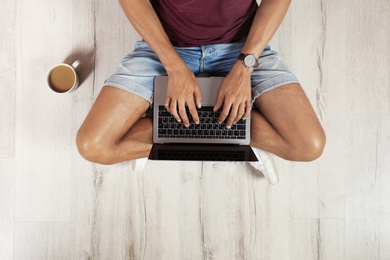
75 64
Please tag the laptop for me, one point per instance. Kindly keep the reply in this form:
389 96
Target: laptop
207 141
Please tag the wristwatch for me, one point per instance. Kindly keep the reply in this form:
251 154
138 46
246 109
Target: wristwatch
249 60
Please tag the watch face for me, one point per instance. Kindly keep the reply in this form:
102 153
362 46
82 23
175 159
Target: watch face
250 60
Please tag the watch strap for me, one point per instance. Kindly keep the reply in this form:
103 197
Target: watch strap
241 56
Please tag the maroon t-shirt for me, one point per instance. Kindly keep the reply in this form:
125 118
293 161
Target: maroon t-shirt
201 22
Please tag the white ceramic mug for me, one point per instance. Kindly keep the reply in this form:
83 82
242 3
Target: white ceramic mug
63 78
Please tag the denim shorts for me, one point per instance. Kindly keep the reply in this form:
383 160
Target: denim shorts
137 70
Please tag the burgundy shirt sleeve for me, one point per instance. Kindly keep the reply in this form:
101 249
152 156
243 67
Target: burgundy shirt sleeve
202 22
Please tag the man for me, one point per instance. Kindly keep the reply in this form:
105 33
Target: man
224 38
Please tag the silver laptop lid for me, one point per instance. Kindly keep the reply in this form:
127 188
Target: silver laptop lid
209 87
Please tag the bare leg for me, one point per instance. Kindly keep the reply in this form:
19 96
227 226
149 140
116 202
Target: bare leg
114 130
285 124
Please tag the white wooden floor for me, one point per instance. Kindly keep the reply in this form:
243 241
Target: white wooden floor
55 205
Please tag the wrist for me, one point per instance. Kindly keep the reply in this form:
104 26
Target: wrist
170 59
240 68
175 65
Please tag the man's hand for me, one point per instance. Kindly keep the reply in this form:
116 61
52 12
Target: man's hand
183 89
235 95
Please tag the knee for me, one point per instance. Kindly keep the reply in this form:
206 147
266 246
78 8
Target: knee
310 148
92 149
315 148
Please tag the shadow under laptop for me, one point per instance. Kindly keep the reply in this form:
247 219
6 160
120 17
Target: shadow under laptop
144 164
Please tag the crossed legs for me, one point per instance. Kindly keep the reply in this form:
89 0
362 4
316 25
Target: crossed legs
283 123
114 130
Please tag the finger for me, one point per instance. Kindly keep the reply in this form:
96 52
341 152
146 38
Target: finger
198 98
224 113
232 116
173 110
248 109
166 104
241 112
193 112
219 102
183 113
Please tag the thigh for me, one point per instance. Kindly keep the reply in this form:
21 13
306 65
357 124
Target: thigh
272 73
114 112
290 113
137 70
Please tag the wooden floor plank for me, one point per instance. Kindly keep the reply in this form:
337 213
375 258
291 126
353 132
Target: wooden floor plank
331 238
225 221
117 220
7 207
304 238
170 218
8 79
333 89
361 238
384 239
41 240
43 136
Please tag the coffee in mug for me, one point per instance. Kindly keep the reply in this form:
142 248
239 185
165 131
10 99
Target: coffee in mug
62 78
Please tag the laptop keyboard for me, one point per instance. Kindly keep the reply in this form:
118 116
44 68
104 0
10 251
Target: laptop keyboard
208 127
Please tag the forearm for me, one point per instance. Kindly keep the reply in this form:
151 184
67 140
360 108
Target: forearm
268 18
235 93
146 22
